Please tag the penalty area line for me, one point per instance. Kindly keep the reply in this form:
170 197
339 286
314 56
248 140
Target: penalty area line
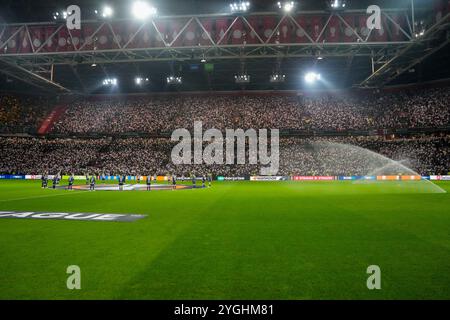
43 196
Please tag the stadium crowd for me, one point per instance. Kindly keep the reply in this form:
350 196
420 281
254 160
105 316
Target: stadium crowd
298 156
19 113
400 109
365 156
109 154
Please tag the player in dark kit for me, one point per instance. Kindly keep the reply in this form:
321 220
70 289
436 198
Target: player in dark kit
92 184
54 181
209 180
43 181
70 187
174 182
194 181
121 180
203 181
149 182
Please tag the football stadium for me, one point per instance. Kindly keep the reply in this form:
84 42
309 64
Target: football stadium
225 150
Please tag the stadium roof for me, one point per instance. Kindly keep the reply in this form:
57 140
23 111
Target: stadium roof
343 65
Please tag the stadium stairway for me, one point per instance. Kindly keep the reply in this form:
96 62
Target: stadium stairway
47 124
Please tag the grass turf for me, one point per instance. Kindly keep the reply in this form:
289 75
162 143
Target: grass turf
236 240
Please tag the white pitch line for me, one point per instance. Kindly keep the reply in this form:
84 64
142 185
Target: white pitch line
45 196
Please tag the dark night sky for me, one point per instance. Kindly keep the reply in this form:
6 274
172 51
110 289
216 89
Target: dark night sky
41 10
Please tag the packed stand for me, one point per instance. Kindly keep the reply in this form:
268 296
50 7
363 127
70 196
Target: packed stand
337 112
22 113
298 156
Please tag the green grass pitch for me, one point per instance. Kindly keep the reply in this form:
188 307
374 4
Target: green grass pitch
236 240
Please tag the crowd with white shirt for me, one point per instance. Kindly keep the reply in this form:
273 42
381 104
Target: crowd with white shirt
297 156
330 112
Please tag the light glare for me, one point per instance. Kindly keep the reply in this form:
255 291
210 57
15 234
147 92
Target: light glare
174 80
142 10
110 82
140 81
239 6
312 77
287 6
107 12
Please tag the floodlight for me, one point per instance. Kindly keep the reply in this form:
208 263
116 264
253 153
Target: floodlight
107 12
242 78
337 4
319 55
241 6
110 82
59 15
277 78
174 80
286 6
140 81
312 77
142 10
